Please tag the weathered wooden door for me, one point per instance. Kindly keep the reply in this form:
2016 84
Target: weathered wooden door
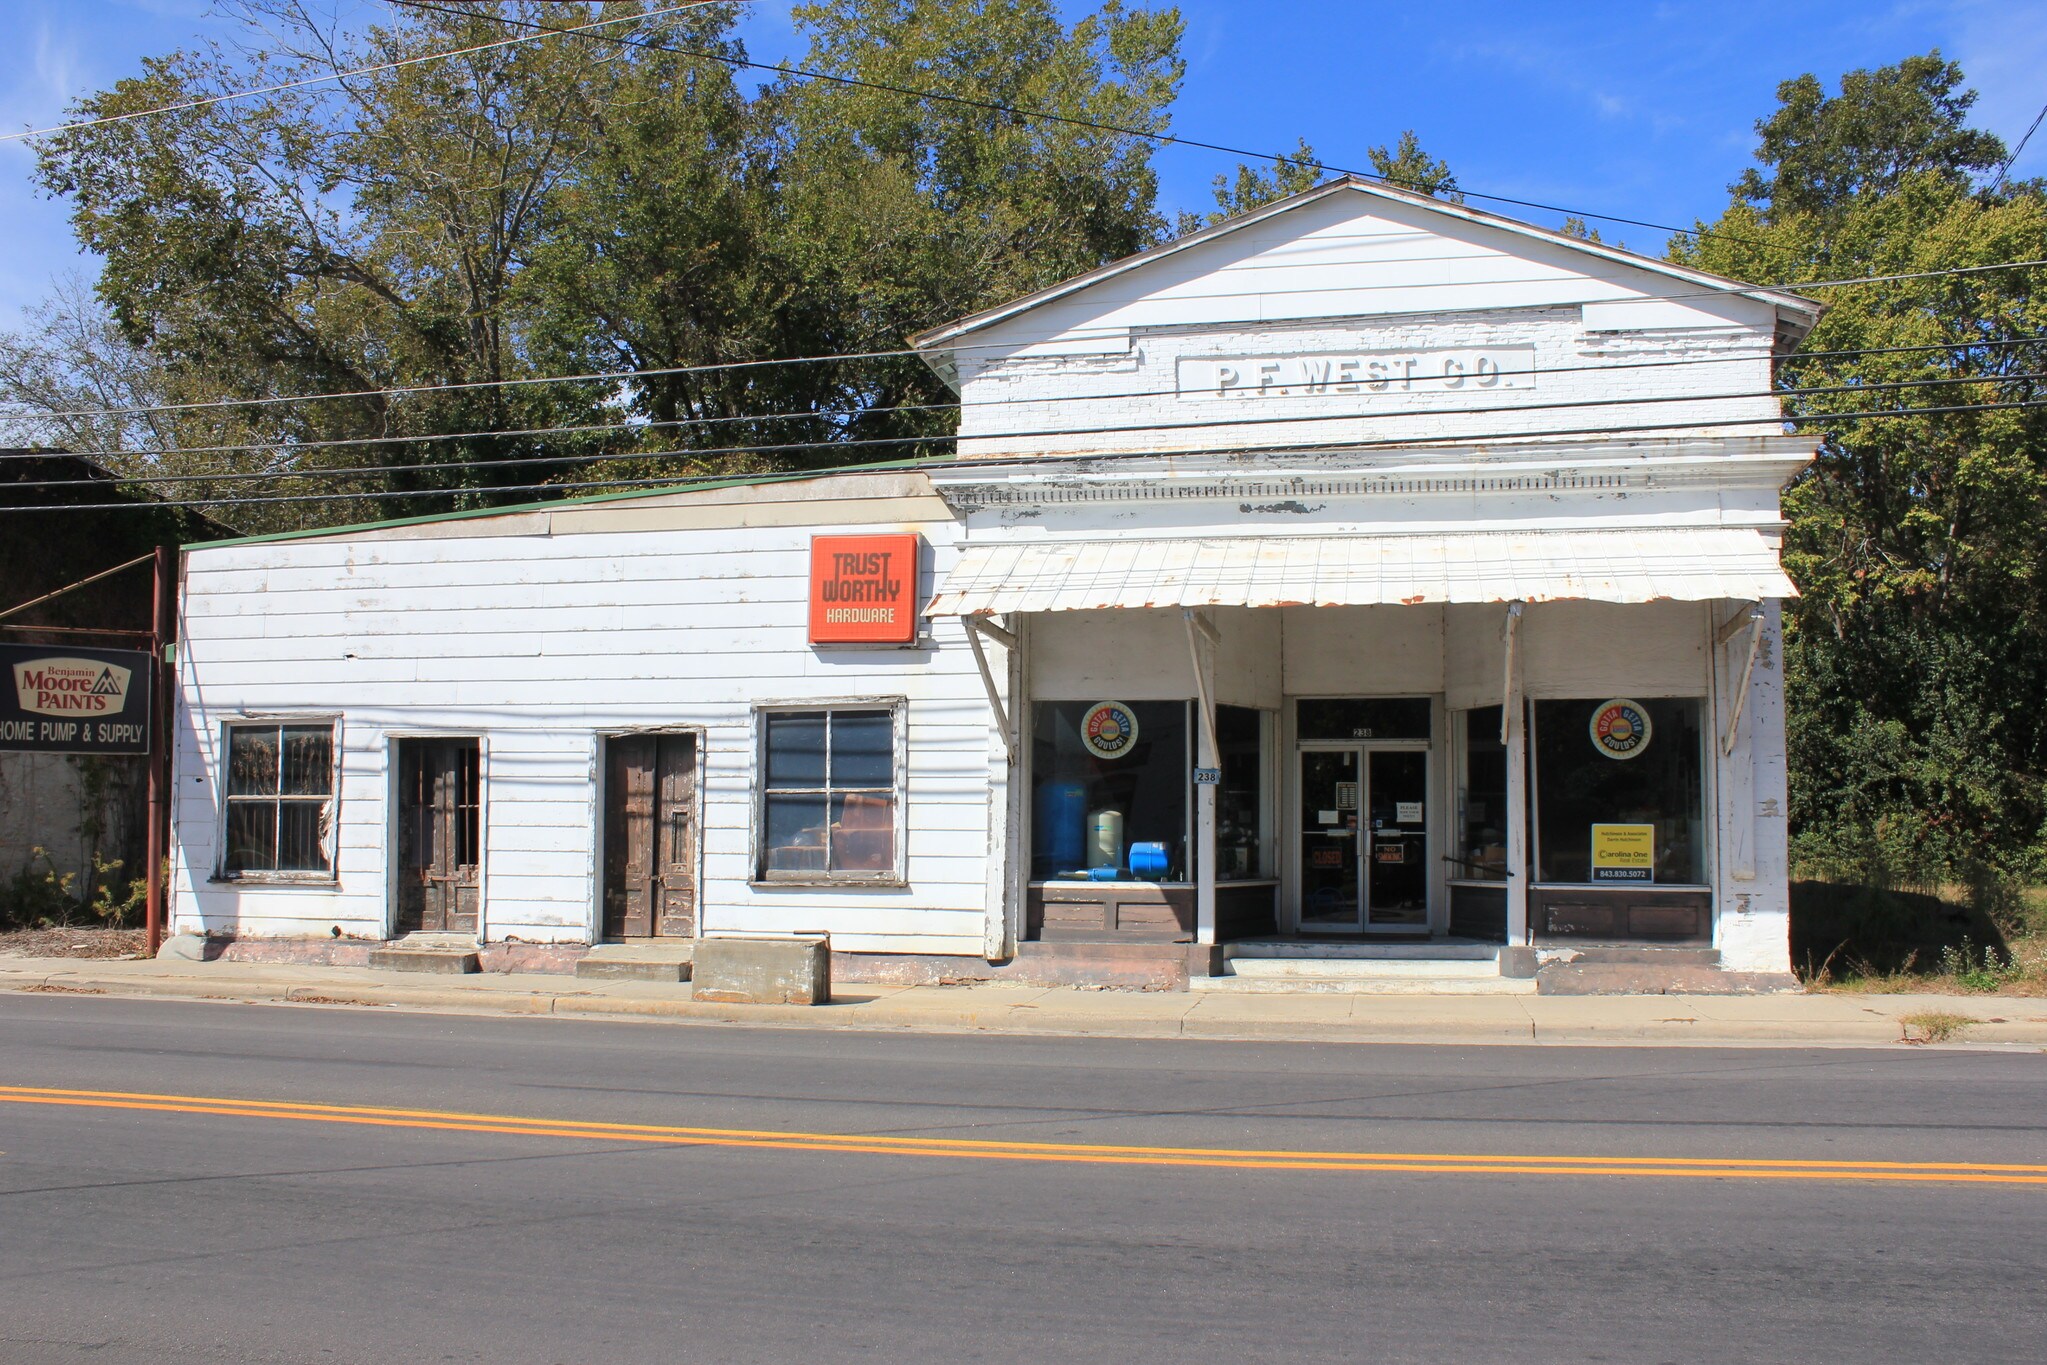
440 807
650 838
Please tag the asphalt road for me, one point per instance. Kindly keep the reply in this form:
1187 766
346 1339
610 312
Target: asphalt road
820 1205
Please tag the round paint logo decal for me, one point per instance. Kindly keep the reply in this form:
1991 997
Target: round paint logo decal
1620 728
1108 729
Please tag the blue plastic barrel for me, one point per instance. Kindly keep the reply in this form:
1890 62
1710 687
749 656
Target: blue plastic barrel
1148 861
1062 826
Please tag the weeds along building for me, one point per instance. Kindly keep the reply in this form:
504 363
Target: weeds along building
1363 575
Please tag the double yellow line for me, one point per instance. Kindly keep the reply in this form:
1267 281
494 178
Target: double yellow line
875 1144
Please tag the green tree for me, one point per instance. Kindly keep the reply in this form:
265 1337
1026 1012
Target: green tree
904 213
1406 166
365 236
421 233
1253 187
1822 153
1917 655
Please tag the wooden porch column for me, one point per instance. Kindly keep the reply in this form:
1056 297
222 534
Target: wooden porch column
1207 754
1514 734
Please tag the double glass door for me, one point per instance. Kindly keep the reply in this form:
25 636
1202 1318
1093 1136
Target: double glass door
1364 839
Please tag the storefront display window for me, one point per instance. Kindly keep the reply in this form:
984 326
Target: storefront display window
1620 791
1482 799
1244 805
1110 786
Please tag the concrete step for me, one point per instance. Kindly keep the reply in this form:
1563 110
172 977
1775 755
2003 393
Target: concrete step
1625 978
1363 969
1431 950
407 957
1354 985
668 960
1640 954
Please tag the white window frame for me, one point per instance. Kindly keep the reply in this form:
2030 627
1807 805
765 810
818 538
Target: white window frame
329 836
1708 797
898 714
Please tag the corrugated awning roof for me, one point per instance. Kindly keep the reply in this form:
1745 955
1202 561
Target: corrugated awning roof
1666 563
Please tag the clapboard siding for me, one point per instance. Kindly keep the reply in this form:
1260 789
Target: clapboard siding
541 645
1358 274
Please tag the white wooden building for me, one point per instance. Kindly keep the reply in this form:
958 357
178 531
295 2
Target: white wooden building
1364 570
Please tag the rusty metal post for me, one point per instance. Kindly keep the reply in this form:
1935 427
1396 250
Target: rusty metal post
163 627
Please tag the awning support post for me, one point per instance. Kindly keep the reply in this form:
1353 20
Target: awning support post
1196 623
1748 668
975 628
1514 735
1507 676
1208 755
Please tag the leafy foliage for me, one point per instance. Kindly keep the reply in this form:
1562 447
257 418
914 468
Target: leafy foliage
1404 166
1918 654
585 204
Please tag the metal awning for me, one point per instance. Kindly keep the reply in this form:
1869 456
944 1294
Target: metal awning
1687 564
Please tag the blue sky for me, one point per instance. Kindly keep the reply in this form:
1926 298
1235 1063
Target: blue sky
1643 110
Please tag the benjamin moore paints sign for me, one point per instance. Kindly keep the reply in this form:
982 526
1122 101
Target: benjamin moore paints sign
863 590
63 700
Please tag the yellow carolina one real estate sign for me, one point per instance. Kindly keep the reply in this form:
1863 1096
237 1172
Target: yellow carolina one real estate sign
1624 853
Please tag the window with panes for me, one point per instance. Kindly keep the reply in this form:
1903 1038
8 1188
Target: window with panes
279 798
830 794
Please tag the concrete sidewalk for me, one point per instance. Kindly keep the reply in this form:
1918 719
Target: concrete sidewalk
1696 1020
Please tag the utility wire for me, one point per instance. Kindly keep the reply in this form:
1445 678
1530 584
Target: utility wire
602 376
204 102
1094 125
1520 440
2006 167
859 442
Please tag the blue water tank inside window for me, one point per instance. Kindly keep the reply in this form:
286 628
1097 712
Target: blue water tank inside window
1148 861
1062 826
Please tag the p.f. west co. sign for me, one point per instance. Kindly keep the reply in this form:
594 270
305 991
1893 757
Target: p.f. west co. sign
63 700
1250 378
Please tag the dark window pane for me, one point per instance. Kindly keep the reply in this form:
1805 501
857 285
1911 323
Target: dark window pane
796 750
1364 718
301 836
468 804
863 749
1482 825
251 762
251 837
1660 784
863 833
1241 806
308 759
795 833
1088 810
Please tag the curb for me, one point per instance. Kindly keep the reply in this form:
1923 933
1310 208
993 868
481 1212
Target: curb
1035 1020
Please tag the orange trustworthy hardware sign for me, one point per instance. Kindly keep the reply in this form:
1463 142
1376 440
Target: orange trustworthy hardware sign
863 589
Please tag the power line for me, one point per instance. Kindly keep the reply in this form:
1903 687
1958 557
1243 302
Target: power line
1517 439
793 447
1093 125
2008 161
282 86
601 376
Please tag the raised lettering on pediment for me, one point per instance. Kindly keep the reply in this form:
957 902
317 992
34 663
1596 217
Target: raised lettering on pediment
1326 374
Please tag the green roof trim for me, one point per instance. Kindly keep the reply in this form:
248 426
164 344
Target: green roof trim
586 500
